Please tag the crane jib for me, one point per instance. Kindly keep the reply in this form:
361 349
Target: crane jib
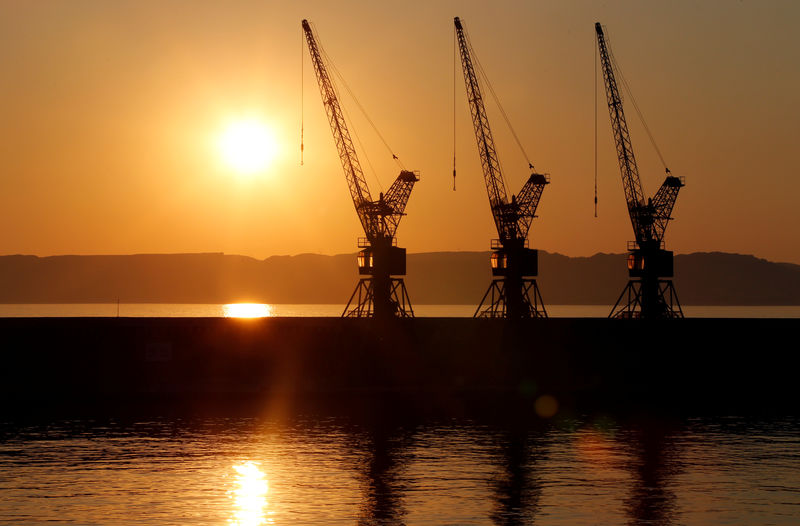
512 219
380 218
649 218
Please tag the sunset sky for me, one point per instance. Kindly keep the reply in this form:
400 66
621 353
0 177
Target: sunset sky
112 114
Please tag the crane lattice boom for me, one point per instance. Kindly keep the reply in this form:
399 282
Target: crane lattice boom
512 219
380 218
648 217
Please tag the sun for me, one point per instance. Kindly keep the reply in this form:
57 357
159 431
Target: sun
247 146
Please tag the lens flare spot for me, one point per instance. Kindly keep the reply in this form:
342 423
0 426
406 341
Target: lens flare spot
546 406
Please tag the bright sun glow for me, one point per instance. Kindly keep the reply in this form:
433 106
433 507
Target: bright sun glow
250 496
247 310
247 146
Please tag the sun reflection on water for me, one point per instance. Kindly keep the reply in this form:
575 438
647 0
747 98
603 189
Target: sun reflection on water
250 496
247 310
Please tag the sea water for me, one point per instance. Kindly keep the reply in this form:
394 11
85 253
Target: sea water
315 470
213 310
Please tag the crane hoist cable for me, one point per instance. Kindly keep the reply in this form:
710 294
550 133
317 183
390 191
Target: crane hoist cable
339 75
302 94
364 151
455 67
629 92
344 110
596 60
348 118
483 76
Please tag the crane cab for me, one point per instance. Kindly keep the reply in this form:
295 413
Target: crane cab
515 262
650 263
388 260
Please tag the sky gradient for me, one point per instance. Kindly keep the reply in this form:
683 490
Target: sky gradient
110 112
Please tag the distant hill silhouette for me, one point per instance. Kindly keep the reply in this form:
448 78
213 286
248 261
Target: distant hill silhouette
433 278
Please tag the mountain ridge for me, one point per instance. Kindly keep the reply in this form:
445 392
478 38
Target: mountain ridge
447 277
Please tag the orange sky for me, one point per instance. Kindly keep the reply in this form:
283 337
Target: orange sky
109 112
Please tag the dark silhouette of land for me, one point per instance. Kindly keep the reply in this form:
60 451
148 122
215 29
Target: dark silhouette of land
433 278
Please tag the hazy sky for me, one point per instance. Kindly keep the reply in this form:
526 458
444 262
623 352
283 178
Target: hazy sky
110 112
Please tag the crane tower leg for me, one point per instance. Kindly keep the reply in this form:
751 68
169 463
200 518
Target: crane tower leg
660 302
648 295
372 301
382 294
514 293
504 299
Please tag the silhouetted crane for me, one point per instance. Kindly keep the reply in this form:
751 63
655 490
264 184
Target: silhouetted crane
513 292
380 295
646 295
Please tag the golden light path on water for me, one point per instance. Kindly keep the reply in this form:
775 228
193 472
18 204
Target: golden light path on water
247 310
250 496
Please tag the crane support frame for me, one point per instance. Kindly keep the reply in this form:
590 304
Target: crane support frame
495 302
362 302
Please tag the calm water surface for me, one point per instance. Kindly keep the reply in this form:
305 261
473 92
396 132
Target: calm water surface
315 471
214 310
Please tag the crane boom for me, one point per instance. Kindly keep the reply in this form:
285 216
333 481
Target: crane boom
631 183
397 197
663 203
511 220
649 218
341 135
378 218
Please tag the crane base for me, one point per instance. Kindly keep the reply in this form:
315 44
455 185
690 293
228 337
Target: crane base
629 304
495 302
363 300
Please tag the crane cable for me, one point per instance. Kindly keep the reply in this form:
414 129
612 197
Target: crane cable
455 39
497 101
302 97
344 111
636 107
364 152
360 107
347 117
596 59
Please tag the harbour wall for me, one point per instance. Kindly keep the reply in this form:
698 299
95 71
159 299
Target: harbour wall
448 364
